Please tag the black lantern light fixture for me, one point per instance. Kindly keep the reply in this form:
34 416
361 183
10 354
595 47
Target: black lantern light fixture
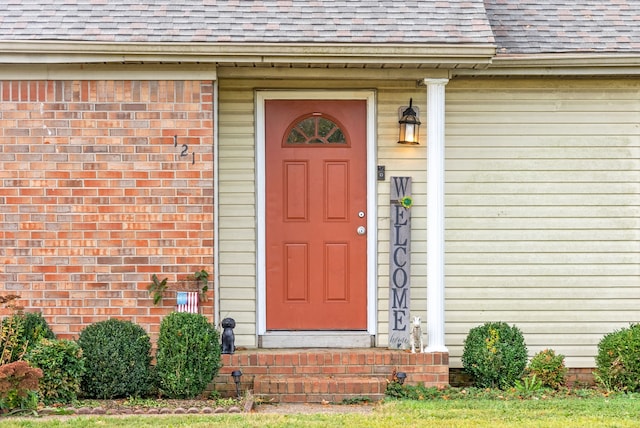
409 126
401 376
237 374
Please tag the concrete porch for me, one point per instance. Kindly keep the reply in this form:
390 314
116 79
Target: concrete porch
326 375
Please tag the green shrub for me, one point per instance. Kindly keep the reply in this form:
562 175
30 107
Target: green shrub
36 328
21 332
548 367
528 386
188 355
62 365
117 359
495 355
412 392
618 360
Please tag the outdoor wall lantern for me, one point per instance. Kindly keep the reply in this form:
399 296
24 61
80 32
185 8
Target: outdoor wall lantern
409 126
237 374
401 376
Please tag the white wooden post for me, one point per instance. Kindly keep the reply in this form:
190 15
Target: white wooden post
435 214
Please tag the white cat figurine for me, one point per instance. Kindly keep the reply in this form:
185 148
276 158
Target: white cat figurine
415 338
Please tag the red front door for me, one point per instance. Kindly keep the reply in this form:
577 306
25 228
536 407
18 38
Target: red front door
316 201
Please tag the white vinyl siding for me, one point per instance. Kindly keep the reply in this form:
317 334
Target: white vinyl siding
402 161
542 206
543 210
236 190
237 224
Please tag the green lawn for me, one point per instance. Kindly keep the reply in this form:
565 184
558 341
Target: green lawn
616 411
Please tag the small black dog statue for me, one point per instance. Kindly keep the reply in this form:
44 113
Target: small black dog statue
228 338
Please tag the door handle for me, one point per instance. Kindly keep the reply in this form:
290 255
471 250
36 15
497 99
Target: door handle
361 230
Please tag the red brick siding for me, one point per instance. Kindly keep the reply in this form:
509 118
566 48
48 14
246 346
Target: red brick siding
95 196
576 377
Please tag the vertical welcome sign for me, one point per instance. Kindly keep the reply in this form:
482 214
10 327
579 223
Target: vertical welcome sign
399 262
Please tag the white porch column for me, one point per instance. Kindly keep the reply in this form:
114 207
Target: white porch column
435 214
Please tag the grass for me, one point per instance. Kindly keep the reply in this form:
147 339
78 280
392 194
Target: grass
617 410
620 411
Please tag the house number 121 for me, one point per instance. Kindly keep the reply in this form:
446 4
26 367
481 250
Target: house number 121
185 150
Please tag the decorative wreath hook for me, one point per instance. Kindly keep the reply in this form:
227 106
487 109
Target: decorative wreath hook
406 202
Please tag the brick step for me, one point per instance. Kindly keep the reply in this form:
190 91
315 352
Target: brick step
318 389
268 371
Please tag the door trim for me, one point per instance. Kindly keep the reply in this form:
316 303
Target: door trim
260 97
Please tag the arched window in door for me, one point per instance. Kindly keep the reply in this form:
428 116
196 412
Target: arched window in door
315 129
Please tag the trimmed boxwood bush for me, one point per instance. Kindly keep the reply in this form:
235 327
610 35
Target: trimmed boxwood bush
62 365
188 355
117 359
618 360
495 355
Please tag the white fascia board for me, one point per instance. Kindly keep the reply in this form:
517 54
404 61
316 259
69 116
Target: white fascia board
560 64
56 52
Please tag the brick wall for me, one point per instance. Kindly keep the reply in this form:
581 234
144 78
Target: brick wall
576 377
95 196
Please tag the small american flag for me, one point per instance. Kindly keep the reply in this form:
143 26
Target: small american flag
187 301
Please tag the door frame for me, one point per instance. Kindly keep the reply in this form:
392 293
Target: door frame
372 231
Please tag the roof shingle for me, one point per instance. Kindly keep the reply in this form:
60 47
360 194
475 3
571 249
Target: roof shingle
561 26
515 26
269 21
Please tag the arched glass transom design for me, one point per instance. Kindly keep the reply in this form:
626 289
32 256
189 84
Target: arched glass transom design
316 130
